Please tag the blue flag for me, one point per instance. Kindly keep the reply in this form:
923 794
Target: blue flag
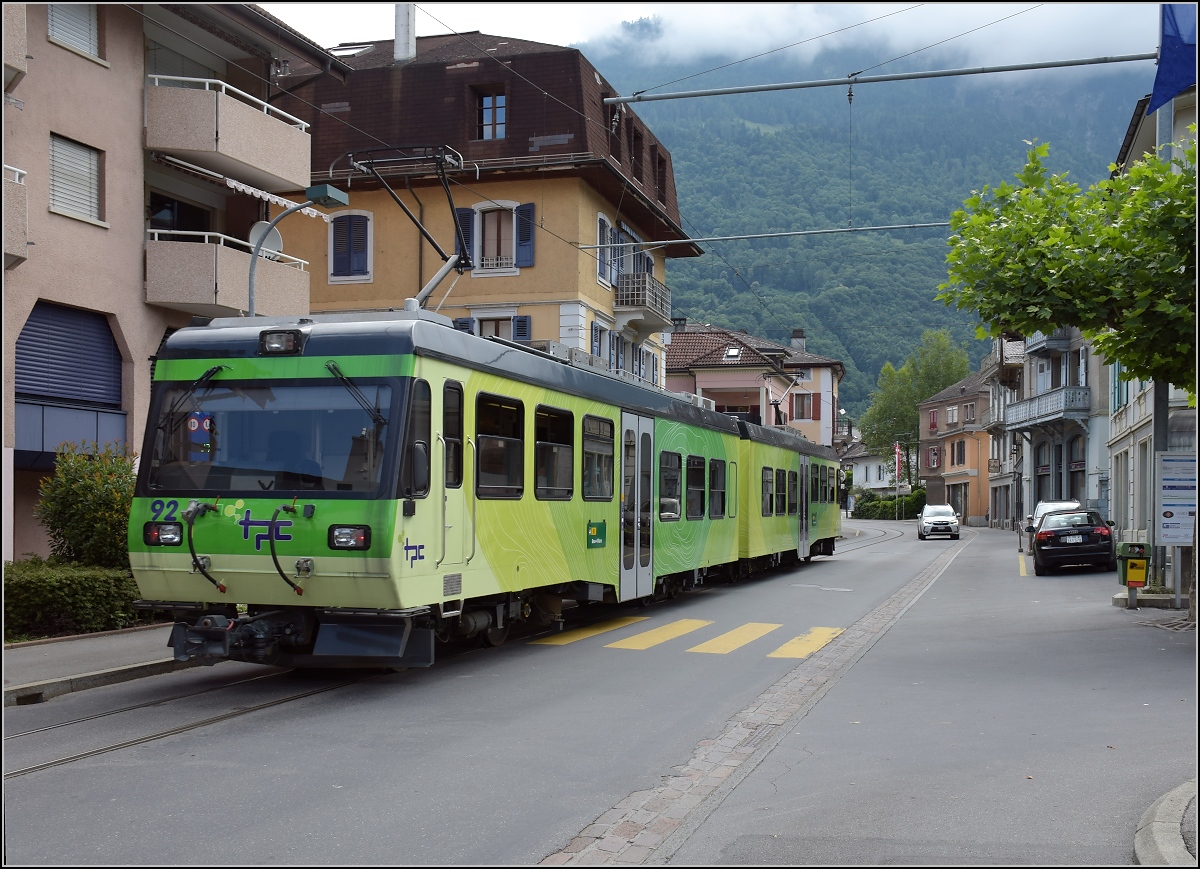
1176 54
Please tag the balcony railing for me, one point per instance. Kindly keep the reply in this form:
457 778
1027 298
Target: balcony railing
1040 344
207 273
642 290
215 126
213 84
1069 402
16 217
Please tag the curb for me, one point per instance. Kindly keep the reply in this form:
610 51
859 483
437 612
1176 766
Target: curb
44 640
40 692
1159 841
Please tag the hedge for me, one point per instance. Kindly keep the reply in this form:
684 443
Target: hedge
46 599
910 506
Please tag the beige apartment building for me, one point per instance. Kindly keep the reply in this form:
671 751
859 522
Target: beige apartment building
141 147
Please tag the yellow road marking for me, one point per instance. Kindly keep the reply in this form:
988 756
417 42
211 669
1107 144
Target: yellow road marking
583 633
805 644
655 636
1021 558
735 639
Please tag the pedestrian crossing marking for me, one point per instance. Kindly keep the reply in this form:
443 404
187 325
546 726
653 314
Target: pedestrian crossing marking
805 644
653 637
590 631
735 639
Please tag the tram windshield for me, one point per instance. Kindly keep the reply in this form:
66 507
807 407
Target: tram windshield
290 437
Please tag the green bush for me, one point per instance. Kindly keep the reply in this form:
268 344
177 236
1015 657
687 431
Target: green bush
43 599
910 506
84 507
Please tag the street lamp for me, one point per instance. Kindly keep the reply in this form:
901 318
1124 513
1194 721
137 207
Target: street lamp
325 195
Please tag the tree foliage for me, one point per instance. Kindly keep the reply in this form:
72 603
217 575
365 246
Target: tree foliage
1117 261
892 417
85 505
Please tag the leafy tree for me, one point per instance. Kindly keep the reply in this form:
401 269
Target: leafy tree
892 417
1117 261
85 505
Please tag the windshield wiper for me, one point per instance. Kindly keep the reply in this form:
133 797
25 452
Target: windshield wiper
188 393
374 413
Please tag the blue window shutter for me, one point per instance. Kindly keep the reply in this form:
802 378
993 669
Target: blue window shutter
602 254
358 244
466 224
465 324
595 339
614 258
524 216
654 369
70 355
612 350
350 245
522 328
341 246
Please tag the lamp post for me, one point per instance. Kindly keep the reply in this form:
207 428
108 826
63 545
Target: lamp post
325 195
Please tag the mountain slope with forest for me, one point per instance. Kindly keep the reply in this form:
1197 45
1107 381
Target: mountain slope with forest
900 153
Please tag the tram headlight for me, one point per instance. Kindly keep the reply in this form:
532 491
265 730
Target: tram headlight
162 534
280 342
349 536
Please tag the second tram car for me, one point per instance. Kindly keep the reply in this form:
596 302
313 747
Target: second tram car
346 490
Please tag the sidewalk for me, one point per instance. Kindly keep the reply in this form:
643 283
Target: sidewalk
38 671
42 669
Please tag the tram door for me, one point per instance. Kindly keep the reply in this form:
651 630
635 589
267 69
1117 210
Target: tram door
803 494
637 462
449 450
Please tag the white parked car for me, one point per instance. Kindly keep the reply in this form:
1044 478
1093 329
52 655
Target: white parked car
937 519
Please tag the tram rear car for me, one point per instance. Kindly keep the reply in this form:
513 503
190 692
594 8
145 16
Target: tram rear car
349 490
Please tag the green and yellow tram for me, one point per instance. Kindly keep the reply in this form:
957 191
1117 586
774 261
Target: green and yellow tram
346 490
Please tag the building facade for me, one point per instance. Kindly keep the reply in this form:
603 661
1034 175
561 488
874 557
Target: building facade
755 379
548 192
954 446
139 151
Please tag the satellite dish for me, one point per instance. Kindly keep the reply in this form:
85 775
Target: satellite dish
272 244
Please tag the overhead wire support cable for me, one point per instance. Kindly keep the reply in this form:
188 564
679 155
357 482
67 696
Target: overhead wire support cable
871 79
656 244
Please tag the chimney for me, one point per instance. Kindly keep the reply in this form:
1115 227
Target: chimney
405 48
798 340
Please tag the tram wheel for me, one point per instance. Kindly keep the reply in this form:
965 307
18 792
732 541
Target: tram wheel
494 636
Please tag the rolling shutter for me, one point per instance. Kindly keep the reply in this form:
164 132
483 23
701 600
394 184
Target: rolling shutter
76 25
524 216
68 355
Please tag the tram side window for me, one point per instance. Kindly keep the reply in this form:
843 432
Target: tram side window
452 426
669 472
553 454
716 489
832 486
414 466
793 498
597 470
499 426
814 489
781 492
768 493
824 484
695 487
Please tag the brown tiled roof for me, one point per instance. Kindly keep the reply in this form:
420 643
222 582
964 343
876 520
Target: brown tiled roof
705 346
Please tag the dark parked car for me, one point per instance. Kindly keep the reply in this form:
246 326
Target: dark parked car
1072 537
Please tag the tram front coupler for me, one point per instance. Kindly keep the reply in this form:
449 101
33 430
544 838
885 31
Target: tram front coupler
255 638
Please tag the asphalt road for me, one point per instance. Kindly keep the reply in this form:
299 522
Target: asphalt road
968 720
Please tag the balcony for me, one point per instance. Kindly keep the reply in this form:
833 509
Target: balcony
1069 402
15 46
220 128
1043 344
16 218
210 276
642 303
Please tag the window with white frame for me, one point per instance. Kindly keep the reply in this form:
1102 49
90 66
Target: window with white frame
932 457
351 247
952 414
498 235
75 179
969 412
75 25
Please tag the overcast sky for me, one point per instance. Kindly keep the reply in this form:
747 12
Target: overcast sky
1005 33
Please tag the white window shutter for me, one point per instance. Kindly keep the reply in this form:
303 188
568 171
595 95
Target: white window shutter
74 178
76 25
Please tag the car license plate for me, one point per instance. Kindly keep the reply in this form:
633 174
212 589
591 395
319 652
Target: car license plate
1071 538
